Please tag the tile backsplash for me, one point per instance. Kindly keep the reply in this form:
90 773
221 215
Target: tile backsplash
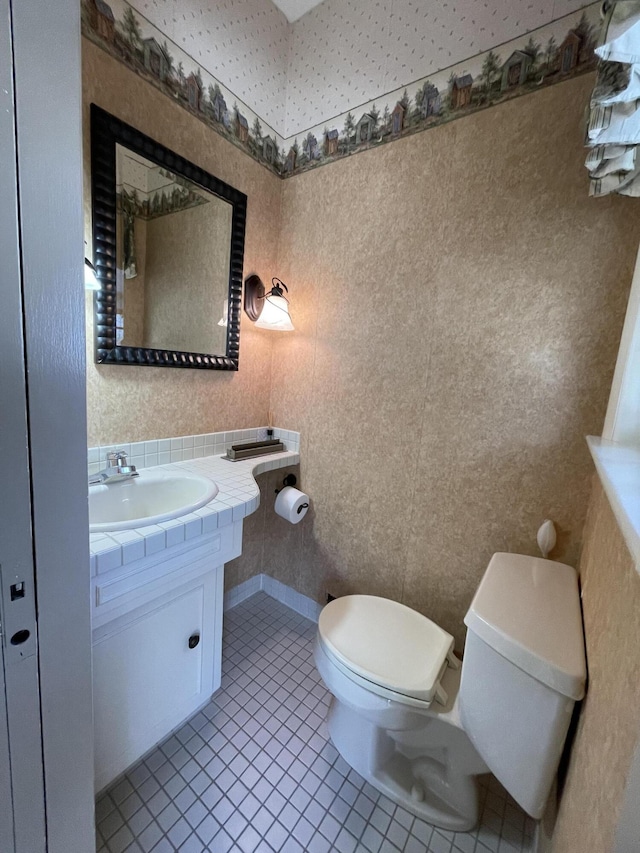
147 454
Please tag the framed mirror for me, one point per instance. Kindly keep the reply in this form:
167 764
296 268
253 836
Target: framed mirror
168 247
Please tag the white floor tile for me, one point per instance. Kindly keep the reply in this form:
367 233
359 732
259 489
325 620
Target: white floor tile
255 772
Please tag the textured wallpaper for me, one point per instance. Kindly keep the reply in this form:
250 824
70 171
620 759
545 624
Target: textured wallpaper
608 728
152 402
187 278
458 304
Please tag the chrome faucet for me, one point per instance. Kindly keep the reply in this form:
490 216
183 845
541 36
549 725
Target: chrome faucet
117 469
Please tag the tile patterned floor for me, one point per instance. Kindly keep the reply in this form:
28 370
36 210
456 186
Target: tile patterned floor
254 772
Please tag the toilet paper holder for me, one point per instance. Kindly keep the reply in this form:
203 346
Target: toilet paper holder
290 499
289 480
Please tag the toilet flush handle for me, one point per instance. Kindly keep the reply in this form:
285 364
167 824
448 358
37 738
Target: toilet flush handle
546 537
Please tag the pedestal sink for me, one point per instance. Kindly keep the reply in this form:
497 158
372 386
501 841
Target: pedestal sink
151 497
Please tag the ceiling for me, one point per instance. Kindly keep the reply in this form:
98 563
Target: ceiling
294 9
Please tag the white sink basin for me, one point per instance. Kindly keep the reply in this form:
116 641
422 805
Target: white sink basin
151 497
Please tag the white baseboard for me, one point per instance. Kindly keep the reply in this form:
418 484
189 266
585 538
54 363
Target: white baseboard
302 604
242 591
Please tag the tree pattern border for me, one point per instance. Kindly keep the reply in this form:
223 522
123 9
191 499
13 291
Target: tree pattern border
106 131
438 100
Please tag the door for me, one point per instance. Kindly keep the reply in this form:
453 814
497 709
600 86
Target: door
6 799
46 802
22 824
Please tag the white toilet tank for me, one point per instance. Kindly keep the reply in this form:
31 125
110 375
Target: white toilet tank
523 670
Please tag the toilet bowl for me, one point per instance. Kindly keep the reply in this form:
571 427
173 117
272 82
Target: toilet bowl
420 727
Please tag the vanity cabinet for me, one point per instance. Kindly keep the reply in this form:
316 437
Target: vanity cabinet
157 646
152 669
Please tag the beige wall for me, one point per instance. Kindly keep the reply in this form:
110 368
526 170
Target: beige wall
137 403
187 278
458 302
608 728
269 543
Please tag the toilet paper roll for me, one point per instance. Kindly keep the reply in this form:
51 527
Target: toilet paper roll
292 504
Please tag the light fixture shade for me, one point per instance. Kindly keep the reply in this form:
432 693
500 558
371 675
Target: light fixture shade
275 315
90 280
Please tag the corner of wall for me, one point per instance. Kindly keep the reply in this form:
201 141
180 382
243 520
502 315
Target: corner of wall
599 771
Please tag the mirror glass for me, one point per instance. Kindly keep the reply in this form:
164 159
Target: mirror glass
173 245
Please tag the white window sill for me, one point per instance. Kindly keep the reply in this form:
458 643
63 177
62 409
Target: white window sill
619 470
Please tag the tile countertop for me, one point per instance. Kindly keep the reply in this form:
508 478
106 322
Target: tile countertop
238 496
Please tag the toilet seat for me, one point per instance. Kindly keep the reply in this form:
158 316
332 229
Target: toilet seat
387 647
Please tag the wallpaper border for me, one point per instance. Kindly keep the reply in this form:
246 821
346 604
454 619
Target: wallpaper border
551 54
144 49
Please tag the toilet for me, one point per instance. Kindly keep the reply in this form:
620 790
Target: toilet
420 726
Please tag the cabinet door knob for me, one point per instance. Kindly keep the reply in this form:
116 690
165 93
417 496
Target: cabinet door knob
194 639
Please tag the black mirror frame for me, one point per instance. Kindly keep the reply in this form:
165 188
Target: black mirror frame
106 131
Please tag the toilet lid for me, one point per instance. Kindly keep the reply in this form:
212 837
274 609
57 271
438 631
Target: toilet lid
386 643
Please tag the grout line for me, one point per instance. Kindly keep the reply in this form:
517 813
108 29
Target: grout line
268 643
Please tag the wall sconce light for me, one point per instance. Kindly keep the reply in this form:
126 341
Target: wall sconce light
267 310
90 278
